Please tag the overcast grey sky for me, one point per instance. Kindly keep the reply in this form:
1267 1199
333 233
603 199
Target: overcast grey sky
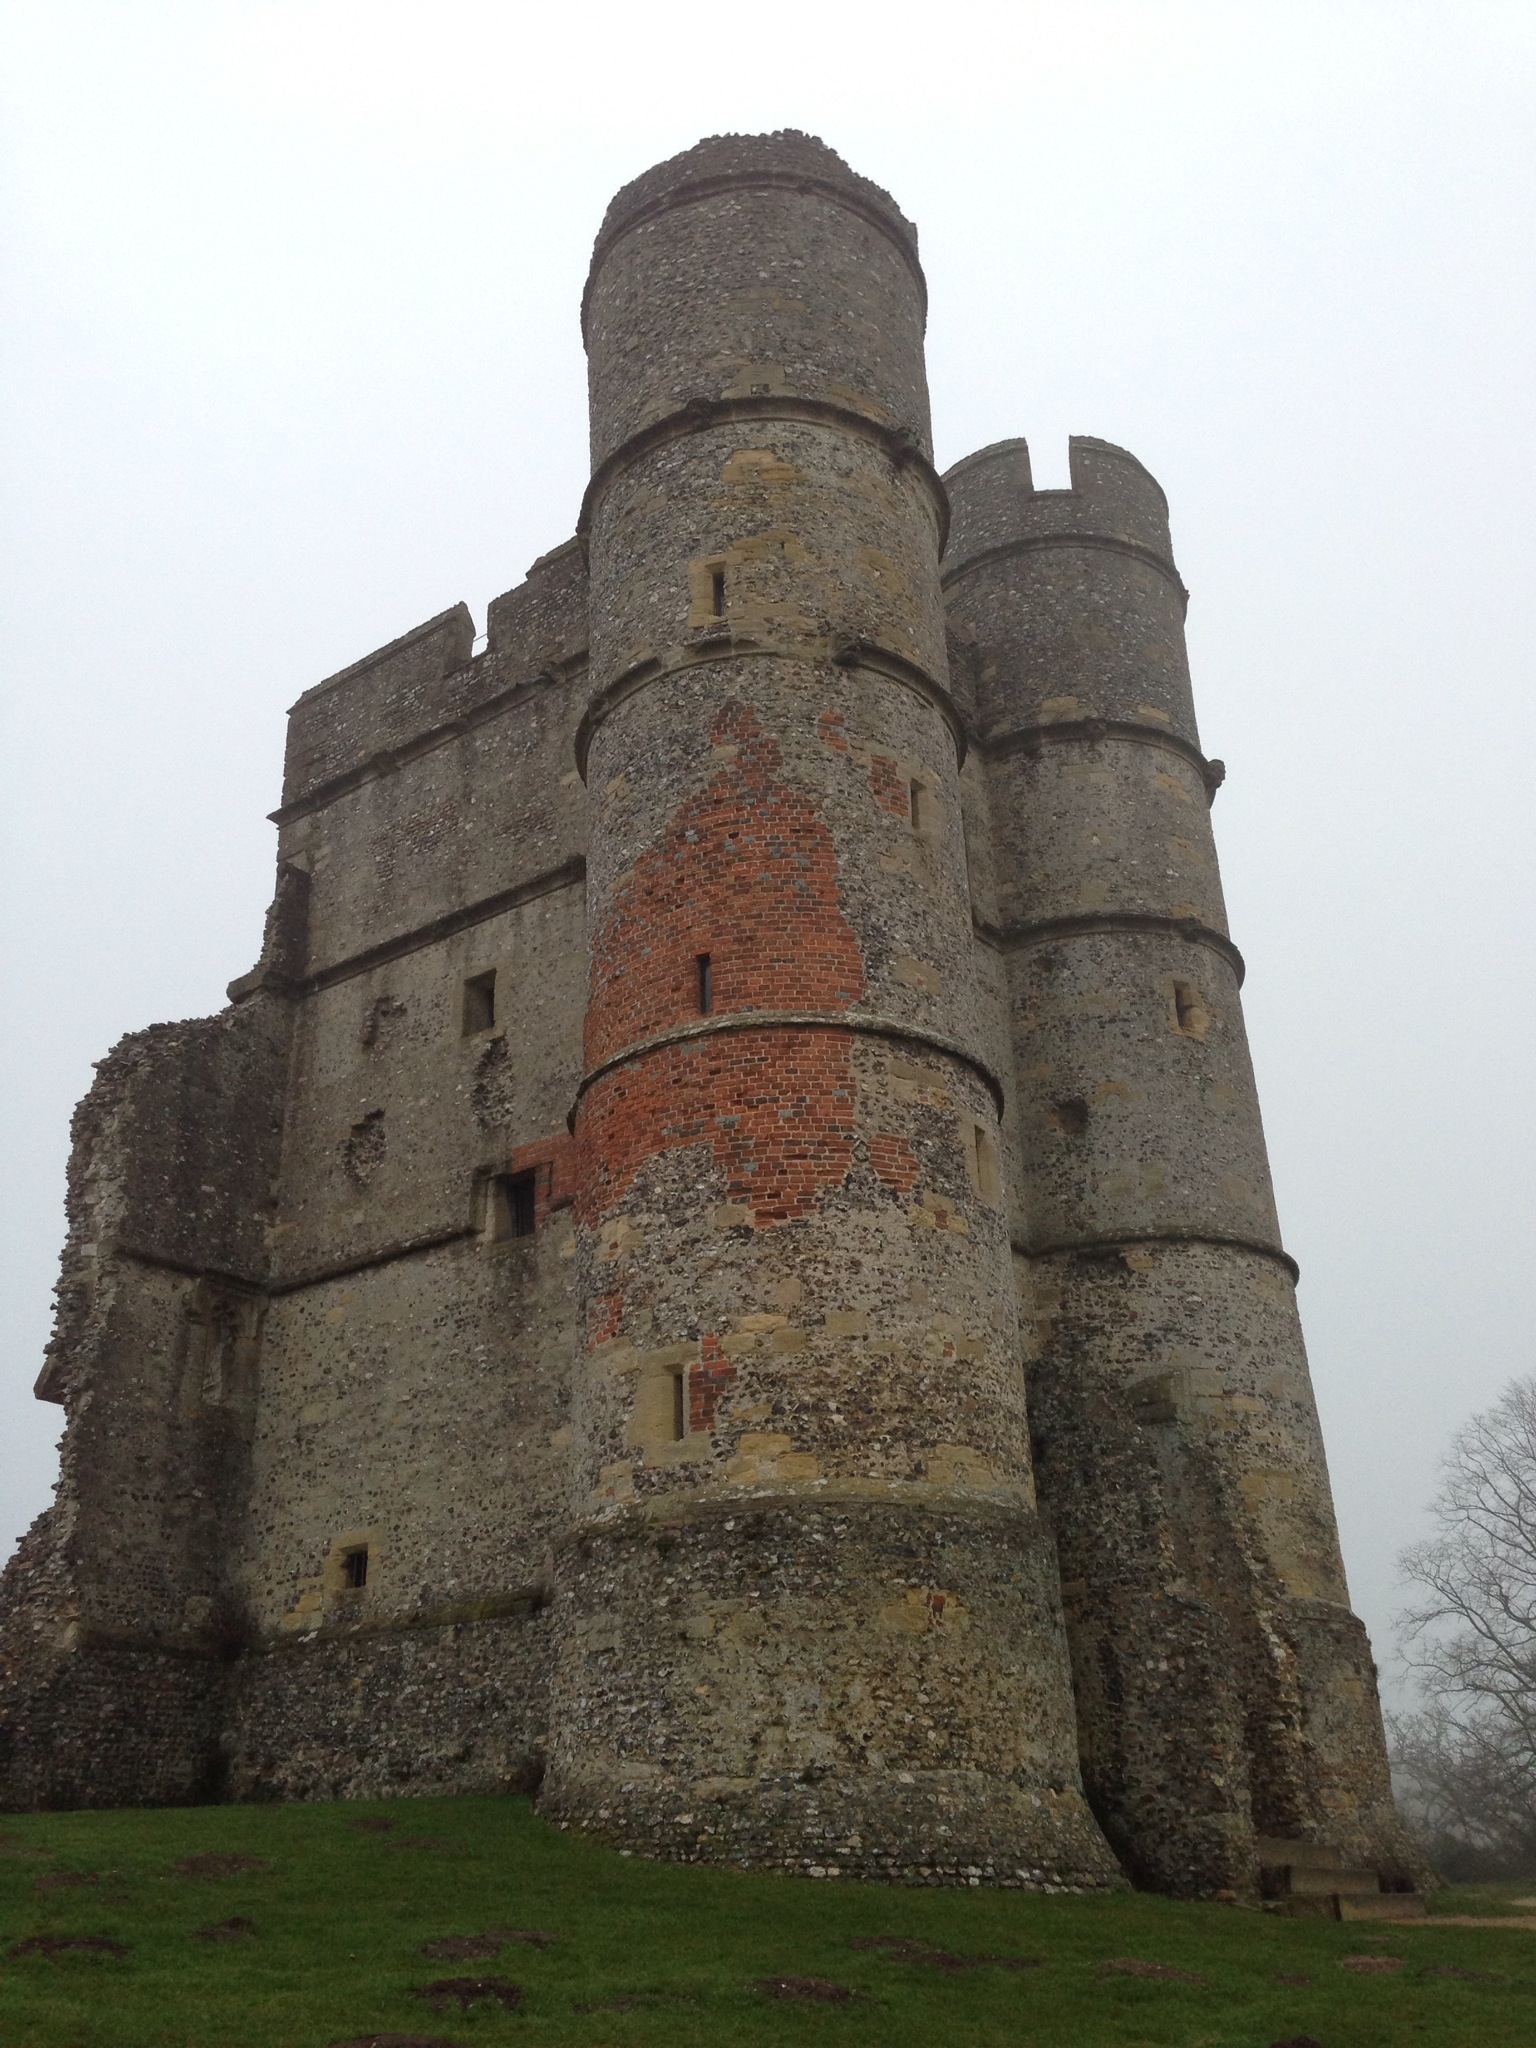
292 362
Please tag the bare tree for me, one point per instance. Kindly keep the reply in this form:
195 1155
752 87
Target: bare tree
1466 1761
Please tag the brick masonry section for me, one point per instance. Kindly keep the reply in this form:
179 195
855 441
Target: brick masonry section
745 873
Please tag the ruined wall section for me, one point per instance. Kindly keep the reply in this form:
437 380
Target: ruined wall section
808 1620
120 1606
415 1364
1225 1692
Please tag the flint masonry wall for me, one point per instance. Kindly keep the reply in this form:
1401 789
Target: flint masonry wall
119 1605
682 1355
811 1615
1215 1659
415 1380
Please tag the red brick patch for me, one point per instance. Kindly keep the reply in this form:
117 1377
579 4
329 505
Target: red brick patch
707 1382
774 1106
894 1161
552 1162
745 872
889 787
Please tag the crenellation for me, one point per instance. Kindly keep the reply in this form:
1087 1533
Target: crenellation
450 833
542 622
387 697
721 1268
1112 497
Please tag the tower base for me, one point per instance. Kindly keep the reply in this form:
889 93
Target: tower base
905 1827
808 1682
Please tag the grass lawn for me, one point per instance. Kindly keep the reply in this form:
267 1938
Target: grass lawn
338 1911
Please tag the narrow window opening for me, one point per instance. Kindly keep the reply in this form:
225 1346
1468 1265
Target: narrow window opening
988 1167
354 1569
479 1002
717 593
512 1205
706 985
919 807
679 1406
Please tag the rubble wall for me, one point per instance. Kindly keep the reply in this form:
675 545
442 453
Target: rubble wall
120 1607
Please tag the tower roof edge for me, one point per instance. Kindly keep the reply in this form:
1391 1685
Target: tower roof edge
786 152
721 162
995 504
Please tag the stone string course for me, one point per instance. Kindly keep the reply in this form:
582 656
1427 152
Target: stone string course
721 1266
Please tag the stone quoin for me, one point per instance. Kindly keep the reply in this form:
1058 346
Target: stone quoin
721 1267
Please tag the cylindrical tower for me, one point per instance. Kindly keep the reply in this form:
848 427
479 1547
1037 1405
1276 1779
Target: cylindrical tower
809 1617
1225 1691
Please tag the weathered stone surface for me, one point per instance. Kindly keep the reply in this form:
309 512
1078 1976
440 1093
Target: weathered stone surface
722 1262
1223 1687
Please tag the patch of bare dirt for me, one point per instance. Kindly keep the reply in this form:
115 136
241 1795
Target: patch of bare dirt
633 2001
420 1842
1522 1923
1297 2041
461 1948
465 1992
65 1944
1369 1966
1133 1966
215 1864
812 1990
1470 1976
395 2041
376 1826
235 1929
65 1880
902 1948
1293 1980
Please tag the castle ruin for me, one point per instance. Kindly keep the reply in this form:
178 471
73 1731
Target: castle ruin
722 1266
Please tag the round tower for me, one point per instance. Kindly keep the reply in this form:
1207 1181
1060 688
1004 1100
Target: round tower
809 1616
1226 1693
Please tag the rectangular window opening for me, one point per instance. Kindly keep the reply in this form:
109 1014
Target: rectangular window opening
354 1569
717 593
918 807
479 1002
988 1166
511 1206
706 985
1186 1001
679 1406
